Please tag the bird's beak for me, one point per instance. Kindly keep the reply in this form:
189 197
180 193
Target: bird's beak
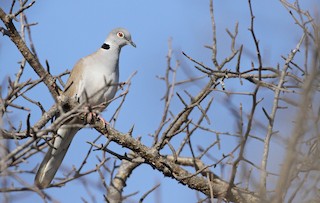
133 44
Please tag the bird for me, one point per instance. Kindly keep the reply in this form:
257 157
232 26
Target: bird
93 81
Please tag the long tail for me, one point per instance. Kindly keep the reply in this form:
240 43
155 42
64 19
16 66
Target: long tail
52 161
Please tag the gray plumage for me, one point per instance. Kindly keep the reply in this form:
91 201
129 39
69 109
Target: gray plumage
94 79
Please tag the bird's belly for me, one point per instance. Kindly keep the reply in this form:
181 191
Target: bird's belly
100 88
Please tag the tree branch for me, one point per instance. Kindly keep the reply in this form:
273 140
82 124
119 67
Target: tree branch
170 169
27 54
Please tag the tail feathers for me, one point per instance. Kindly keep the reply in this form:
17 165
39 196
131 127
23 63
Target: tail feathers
53 159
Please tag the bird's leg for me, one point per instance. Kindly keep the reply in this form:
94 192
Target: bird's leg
102 119
93 114
97 115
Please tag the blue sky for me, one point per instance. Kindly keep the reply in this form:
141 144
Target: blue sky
69 30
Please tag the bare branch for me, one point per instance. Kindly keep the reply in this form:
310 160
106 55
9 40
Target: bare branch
148 192
25 51
271 118
256 42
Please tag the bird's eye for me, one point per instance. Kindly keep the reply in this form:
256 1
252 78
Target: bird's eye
120 34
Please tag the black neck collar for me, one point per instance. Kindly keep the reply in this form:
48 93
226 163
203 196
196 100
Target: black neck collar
105 46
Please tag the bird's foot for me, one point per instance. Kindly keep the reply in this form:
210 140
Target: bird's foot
102 119
91 117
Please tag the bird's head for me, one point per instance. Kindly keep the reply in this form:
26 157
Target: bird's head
120 37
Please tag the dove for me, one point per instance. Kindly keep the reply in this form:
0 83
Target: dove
93 81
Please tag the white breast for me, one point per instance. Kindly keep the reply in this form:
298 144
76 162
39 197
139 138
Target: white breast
100 81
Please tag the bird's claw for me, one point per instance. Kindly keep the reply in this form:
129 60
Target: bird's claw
92 116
